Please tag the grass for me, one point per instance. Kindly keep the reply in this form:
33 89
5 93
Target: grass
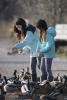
61 55
6 28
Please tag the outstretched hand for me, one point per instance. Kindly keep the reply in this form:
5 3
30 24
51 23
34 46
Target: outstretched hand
40 54
38 51
12 51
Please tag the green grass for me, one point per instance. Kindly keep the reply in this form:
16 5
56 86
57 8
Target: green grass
61 55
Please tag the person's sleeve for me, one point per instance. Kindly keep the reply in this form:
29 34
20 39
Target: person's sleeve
29 37
50 43
25 50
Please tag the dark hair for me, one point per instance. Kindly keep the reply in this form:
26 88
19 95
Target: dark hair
25 28
21 22
42 26
18 33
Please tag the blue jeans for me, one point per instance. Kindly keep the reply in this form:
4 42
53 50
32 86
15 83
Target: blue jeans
46 73
34 62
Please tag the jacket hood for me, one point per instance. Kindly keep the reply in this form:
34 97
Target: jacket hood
51 31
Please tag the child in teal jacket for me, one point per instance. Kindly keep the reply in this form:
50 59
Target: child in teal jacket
29 42
46 49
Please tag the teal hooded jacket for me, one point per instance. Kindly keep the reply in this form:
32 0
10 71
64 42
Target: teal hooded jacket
29 43
48 47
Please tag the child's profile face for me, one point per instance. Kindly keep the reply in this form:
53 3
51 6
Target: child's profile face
19 27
